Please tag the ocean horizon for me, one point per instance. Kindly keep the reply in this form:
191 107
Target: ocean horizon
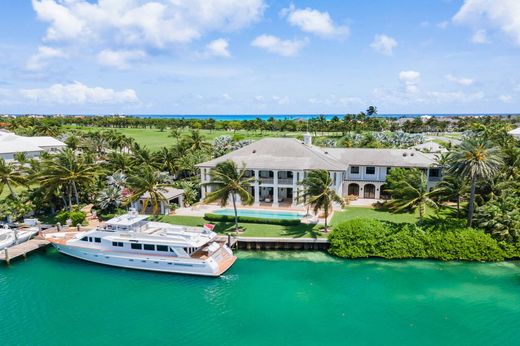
224 117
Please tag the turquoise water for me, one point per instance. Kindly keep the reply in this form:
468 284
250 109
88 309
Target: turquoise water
266 214
265 299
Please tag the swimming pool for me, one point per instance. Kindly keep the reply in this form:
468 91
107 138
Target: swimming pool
266 214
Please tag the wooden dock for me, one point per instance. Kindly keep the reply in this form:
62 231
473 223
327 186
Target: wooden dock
22 250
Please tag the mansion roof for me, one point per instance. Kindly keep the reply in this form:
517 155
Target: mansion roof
11 143
292 154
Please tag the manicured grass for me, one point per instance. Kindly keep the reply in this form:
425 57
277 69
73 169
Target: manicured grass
251 230
350 213
155 139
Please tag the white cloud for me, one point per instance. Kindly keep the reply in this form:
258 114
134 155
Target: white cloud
39 60
410 79
314 22
219 48
334 100
120 59
156 23
77 93
227 97
459 80
384 44
276 45
505 98
501 14
480 37
443 25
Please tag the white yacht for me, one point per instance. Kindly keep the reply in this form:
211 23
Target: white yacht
131 241
6 237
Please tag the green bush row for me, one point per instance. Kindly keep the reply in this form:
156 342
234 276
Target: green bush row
77 217
249 219
361 238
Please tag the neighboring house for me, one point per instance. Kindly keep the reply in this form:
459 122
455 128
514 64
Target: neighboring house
515 133
32 147
430 147
280 164
172 196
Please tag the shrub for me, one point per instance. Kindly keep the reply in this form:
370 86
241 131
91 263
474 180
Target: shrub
361 238
249 219
77 217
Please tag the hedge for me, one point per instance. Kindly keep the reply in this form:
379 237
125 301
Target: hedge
77 217
249 219
362 238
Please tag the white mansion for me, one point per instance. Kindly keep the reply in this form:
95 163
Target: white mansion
32 147
280 164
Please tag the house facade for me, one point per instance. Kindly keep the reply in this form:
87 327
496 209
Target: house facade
279 165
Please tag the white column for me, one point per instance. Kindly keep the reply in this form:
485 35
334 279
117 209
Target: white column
378 191
275 189
203 180
257 188
294 188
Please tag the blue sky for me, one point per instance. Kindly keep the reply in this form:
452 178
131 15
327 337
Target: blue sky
259 56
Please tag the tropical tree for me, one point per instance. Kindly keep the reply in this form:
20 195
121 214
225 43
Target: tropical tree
372 110
10 176
452 187
68 171
474 160
319 194
195 141
151 182
228 181
412 194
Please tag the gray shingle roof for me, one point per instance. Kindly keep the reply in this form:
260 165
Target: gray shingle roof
279 153
381 157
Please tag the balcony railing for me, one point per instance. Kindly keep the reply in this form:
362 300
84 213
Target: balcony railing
281 181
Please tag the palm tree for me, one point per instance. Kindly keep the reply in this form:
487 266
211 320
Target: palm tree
372 110
474 159
228 181
412 195
318 192
68 171
151 182
452 187
10 176
195 141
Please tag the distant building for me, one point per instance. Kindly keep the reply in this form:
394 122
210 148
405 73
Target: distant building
515 133
430 147
172 196
280 164
32 147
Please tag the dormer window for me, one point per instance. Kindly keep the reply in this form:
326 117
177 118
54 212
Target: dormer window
354 170
370 170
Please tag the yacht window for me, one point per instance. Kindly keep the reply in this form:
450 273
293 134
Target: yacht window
136 246
84 239
149 247
162 248
97 240
115 243
90 239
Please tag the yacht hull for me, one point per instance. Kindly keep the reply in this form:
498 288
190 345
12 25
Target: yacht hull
207 267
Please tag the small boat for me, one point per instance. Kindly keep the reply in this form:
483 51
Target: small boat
24 234
6 237
131 241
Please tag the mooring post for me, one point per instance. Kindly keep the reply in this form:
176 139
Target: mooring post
229 240
6 255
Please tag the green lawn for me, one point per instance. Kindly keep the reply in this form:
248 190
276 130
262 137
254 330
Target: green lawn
251 229
259 230
350 213
155 139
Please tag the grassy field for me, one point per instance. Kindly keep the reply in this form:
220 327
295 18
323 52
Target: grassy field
259 230
350 213
155 139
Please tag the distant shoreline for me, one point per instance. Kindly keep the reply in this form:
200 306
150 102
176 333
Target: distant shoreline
238 117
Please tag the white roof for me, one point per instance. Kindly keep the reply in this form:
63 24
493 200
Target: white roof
168 193
46 141
12 143
127 220
515 132
291 154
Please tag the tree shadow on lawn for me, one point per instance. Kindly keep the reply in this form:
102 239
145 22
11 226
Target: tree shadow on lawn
299 231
